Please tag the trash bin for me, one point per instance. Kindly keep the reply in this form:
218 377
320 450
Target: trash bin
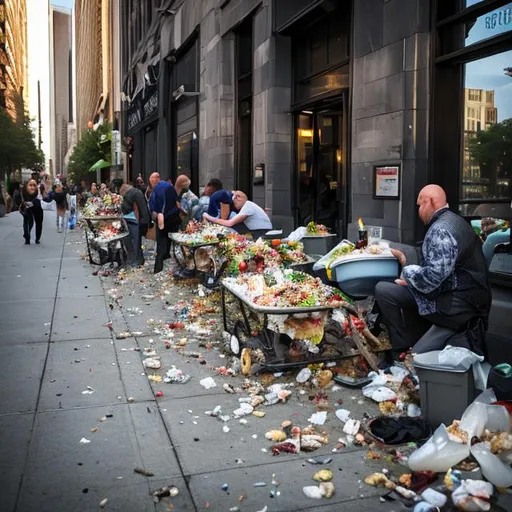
445 392
318 244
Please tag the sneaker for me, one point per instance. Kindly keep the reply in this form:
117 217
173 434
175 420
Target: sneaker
59 230
27 242
38 242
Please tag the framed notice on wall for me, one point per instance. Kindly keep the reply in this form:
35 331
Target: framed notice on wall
386 181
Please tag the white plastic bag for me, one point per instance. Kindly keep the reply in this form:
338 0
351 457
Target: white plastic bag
297 235
324 260
458 357
439 453
473 495
480 415
480 374
208 383
492 467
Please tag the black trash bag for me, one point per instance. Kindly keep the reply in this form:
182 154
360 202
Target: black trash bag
471 336
500 380
399 430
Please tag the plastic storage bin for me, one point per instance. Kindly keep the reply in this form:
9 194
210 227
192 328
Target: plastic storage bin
445 393
357 277
318 244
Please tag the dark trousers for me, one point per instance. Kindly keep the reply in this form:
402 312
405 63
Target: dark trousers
30 217
163 244
402 319
134 245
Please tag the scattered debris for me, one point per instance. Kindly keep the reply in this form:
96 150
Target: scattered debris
142 471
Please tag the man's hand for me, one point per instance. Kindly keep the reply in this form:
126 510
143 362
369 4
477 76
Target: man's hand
207 217
401 282
400 256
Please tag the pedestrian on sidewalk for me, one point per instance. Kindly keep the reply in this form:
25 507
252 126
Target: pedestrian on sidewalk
163 205
30 208
136 214
61 201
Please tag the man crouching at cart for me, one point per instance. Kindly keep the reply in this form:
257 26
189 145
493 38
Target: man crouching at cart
450 288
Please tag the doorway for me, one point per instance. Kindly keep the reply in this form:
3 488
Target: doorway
320 167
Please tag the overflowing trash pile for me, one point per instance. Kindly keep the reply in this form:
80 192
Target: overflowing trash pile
316 410
109 205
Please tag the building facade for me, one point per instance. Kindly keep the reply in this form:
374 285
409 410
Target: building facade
61 84
98 75
88 58
13 57
324 110
38 31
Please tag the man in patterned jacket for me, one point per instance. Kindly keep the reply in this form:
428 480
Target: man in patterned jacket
449 288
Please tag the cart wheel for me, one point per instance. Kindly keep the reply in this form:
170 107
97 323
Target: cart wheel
246 361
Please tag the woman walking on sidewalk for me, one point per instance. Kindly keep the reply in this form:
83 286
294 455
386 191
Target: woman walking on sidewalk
61 201
31 210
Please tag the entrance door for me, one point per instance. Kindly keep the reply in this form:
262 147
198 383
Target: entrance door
320 163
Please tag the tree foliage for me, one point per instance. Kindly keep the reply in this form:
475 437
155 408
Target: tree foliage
492 149
94 145
17 145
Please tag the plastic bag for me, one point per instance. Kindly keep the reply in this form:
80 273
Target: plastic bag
72 222
481 415
458 357
473 495
481 374
491 466
344 247
297 235
439 453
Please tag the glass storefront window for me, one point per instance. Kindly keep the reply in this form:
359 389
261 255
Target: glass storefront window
185 153
489 25
305 132
487 136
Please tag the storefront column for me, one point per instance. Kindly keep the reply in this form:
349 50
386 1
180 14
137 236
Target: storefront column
272 122
164 147
216 103
389 110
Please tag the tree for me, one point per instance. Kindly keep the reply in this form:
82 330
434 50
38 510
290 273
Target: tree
491 149
17 146
93 146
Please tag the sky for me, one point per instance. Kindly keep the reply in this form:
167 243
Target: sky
63 3
488 73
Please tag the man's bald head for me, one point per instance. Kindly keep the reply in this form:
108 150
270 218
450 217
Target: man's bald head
430 199
239 199
154 179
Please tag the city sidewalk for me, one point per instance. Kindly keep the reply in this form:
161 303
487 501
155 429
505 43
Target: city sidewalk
54 347
78 414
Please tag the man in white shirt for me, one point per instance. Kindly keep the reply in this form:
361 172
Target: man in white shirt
250 217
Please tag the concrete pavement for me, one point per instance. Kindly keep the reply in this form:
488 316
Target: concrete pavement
64 450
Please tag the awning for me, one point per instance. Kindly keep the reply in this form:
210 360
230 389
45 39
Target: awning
100 164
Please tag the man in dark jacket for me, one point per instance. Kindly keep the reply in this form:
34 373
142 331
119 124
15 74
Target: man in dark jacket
449 288
163 205
136 214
